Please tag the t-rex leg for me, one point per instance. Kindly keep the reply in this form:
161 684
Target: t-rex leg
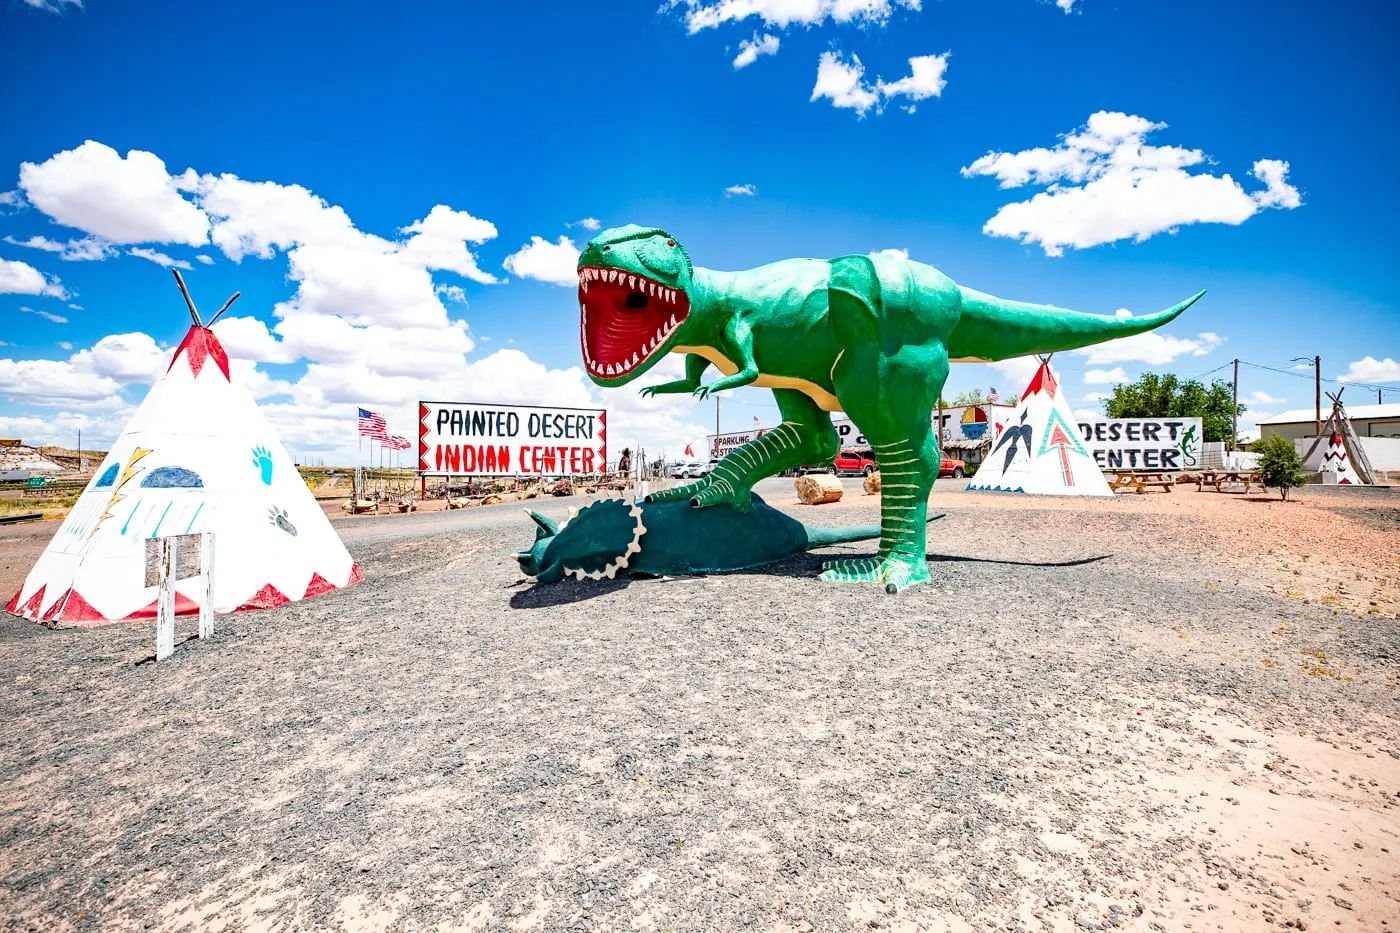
887 379
805 436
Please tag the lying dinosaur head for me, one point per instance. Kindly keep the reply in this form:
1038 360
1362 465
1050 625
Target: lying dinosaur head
633 297
596 541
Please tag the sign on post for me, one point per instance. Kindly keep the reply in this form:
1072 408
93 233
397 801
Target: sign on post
472 439
1162 444
169 560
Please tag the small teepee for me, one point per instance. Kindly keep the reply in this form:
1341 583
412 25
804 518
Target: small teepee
1038 450
197 456
1337 453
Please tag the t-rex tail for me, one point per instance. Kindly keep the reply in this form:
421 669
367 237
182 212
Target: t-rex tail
825 537
994 329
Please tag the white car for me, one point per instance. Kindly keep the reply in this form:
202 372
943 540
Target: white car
702 469
684 469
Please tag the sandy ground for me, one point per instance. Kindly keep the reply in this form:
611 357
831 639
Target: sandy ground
1159 712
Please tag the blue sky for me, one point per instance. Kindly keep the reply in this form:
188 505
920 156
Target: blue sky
398 193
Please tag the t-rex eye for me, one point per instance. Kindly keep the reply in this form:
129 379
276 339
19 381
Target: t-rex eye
670 242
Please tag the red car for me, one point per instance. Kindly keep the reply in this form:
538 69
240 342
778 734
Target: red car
857 463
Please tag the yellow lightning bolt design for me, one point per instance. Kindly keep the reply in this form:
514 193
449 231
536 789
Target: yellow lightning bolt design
137 456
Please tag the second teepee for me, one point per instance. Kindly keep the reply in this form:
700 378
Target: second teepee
1038 449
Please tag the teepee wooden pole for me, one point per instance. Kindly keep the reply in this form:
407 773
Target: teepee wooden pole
223 309
179 280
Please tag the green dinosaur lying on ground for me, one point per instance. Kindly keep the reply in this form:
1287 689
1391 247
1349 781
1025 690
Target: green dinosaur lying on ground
868 335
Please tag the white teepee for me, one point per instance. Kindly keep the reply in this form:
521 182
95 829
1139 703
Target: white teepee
1337 452
198 456
1038 450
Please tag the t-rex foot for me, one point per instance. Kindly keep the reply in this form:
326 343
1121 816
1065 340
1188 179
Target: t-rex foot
895 572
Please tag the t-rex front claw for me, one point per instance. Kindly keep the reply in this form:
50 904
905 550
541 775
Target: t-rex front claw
676 492
720 493
895 573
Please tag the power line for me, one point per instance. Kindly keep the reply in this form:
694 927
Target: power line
1290 372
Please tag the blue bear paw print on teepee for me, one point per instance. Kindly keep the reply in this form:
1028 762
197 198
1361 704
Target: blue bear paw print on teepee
262 459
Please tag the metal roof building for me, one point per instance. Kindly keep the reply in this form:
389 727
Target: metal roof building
1367 420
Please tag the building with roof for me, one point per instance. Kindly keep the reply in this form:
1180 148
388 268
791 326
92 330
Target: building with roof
1367 420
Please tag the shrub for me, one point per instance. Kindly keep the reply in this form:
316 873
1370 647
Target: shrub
1280 465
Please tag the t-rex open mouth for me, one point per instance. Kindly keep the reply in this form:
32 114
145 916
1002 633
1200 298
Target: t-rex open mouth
625 319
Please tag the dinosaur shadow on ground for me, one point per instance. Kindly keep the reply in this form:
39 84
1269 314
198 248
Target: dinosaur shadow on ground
534 595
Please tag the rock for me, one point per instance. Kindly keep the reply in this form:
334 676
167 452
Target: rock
872 484
816 488
494 499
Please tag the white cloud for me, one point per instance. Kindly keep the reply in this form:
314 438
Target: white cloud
588 223
65 345
1098 377
53 383
750 49
1016 373
86 249
1066 5
453 293
743 191
159 258
1087 414
76 307
783 13
126 358
20 278
53 6
556 263
207 260
1152 347
1263 398
46 315
845 86
1370 369
124 200
1105 183
10 201
1097 396
897 253
440 241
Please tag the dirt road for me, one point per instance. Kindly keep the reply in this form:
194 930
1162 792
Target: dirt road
1118 714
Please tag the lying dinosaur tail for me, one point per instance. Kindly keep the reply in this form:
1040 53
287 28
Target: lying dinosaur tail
823 537
994 329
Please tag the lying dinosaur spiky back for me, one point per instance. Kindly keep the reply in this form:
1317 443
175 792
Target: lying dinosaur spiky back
612 536
868 335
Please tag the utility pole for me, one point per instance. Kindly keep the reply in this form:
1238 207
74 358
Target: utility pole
714 450
80 448
1235 408
1317 396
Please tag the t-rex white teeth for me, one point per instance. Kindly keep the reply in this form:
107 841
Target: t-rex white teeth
631 281
673 322
635 357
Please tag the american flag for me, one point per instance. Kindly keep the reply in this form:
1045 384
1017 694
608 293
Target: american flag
756 422
398 443
994 397
372 425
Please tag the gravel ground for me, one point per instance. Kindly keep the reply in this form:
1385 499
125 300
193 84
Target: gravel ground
1101 715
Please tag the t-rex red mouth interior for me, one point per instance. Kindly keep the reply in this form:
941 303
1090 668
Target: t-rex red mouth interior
624 319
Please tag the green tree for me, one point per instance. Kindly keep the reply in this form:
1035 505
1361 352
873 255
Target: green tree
1166 396
1280 465
978 397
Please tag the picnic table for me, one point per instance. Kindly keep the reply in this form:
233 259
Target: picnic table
1219 478
1139 480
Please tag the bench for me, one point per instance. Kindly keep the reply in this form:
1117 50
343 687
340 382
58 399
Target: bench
1219 478
1138 481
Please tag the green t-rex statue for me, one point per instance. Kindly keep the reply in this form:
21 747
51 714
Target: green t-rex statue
868 335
